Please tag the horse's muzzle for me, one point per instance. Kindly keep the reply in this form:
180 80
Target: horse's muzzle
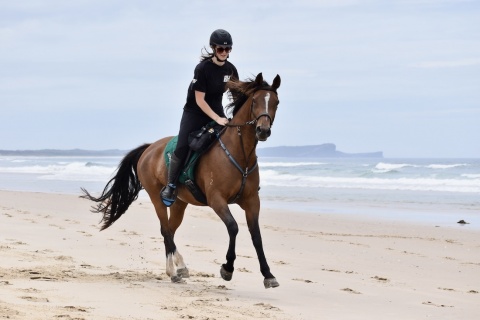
263 133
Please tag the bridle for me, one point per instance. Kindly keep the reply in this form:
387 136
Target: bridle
245 172
255 119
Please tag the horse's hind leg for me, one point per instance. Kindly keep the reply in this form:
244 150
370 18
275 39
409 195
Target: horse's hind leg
172 256
177 211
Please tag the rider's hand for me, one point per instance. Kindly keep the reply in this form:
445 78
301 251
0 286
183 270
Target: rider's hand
221 121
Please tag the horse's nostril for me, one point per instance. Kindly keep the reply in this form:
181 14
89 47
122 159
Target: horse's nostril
263 132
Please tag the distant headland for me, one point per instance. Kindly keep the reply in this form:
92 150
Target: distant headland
326 150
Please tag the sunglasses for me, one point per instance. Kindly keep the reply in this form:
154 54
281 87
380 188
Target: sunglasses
222 49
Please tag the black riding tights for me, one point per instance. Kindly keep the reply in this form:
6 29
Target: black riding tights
190 122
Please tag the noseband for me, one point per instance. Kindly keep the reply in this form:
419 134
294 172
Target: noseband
265 115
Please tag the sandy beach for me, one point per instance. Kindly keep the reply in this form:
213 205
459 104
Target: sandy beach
55 264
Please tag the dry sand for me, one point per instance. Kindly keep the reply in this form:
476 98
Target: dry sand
55 264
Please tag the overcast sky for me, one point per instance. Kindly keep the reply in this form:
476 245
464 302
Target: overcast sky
399 76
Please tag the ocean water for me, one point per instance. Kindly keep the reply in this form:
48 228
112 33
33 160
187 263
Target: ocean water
439 190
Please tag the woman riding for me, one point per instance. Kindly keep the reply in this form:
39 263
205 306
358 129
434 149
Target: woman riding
204 103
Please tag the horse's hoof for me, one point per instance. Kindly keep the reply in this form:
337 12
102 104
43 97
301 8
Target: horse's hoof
183 273
177 279
226 275
270 283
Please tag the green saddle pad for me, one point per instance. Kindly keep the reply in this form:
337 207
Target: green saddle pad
188 172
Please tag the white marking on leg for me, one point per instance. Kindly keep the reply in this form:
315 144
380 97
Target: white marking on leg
178 259
170 268
267 98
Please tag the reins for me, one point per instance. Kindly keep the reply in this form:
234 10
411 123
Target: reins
247 171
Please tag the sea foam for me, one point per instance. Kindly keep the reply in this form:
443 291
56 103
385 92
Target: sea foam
274 178
79 171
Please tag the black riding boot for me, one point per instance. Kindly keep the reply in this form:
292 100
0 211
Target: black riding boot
169 192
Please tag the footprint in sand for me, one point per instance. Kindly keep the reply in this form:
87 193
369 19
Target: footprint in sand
330 270
303 280
202 274
86 234
72 309
350 291
20 243
130 233
64 258
267 306
8 313
446 289
30 290
222 287
429 303
43 278
381 279
76 309
57 226
34 299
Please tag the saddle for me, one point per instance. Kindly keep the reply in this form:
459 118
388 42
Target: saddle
199 141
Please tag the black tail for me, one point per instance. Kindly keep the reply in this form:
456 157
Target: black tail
120 191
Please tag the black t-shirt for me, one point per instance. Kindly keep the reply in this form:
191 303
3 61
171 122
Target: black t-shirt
211 79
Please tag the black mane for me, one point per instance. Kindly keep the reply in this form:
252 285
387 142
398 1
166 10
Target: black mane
241 90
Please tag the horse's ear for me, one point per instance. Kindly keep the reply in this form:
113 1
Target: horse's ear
259 80
276 82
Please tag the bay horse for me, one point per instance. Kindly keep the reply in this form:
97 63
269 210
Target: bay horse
226 173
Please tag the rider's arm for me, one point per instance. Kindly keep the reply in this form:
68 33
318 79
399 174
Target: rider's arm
200 99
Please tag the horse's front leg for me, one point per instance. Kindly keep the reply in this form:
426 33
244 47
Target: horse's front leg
252 211
226 271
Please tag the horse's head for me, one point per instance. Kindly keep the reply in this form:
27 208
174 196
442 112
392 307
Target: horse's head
264 106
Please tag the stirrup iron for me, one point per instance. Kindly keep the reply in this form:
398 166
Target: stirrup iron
169 196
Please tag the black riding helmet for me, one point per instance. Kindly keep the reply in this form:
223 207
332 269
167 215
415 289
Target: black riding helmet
221 37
